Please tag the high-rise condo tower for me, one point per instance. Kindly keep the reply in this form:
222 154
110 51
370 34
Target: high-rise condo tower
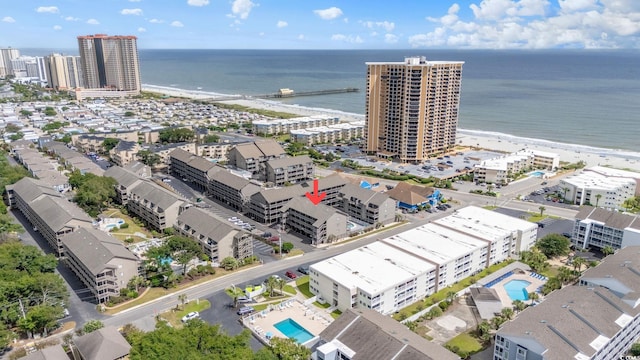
110 62
412 108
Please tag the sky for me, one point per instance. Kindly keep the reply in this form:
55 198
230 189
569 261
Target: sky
320 24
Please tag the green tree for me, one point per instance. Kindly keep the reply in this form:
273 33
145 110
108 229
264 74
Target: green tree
607 250
598 197
136 282
484 331
635 349
289 349
148 158
66 138
554 245
12 128
542 209
109 143
176 135
39 319
91 326
25 113
272 283
94 193
578 262
287 247
507 313
129 114
183 250
211 138
229 263
49 111
533 296
183 299
564 274
519 305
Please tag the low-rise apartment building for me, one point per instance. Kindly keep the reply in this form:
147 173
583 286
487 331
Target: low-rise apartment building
126 180
48 212
601 186
285 126
329 134
157 207
101 262
330 185
403 268
217 238
320 224
599 228
503 169
163 151
193 168
268 206
124 152
289 170
232 190
597 319
366 205
217 151
253 156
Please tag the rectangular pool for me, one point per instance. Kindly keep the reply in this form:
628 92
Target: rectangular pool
293 330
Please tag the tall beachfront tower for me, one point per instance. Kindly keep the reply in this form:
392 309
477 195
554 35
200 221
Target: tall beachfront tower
412 108
6 55
64 71
110 62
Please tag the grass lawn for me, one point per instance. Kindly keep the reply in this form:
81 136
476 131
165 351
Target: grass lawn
322 306
122 234
465 343
303 286
336 313
230 292
289 289
294 252
174 317
423 331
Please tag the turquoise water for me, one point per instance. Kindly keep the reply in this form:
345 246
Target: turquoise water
293 330
537 173
350 225
517 289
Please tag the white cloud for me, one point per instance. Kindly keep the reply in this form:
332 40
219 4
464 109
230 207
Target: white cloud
386 25
71 18
347 38
93 22
156 21
533 24
390 38
198 2
282 24
141 29
177 24
48 9
136 12
301 37
8 19
57 27
242 8
329 14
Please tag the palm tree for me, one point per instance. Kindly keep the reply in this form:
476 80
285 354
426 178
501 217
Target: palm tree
607 250
598 196
566 190
183 299
451 295
484 331
578 262
542 209
564 274
271 285
507 313
533 296
518 305
489 188
280 283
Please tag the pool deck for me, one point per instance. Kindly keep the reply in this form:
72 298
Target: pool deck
314 320
502 293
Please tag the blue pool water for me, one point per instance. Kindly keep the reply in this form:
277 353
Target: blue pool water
350 225
293 330
517 289
537 173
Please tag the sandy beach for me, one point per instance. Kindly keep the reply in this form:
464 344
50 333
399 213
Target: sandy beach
487 140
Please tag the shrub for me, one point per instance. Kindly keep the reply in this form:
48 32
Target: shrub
443 305
132 294
124 226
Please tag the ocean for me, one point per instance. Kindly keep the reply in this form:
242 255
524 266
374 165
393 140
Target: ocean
585 97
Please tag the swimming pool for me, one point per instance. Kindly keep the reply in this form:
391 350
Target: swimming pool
517 289
537 174
293 330
350 225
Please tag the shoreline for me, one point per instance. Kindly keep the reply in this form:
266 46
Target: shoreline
571 153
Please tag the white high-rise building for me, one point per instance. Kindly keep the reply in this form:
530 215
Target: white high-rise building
64 71
6 55
110 62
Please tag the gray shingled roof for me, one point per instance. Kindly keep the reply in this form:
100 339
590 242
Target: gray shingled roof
279 194
126 145
611 219
103 344
181 155
270 147
55 352
29 189
410 194
320 212
94 248
122 176
330 181
365 195
619 272
484 294
566 324
289 161
373 336
58 212
160 197
229 179
206 224
249 151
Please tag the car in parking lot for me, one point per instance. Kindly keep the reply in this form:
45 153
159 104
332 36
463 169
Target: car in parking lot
243 299
233 219
290 274
274 238
303 269
245 310
190 316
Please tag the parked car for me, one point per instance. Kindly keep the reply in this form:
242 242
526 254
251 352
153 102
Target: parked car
274 238
190 316
290 274
303 270
245 310
266 235
243 299
233 219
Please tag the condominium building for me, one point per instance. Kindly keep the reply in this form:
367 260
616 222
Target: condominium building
328 134
412 108
126 180
320 224
31 67
230 189
157 207
124 152
253 156
110 63
601 186
285 126
599 228
48 212
366 205
217 238
64 71
193 168
101 262
6 55
503 169
597 319
289 170
399 270
268 206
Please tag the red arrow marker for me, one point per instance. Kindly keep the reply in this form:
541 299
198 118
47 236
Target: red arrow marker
315 197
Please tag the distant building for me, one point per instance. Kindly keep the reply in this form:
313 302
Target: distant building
6 55
411 197
362 334
412 108
289 170
64 71
253 156
285 126
599 228
328 134
110 65
597 319
503 169
601 186
232 190
193 168
124 152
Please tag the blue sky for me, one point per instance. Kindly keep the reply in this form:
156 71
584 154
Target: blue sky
320 24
